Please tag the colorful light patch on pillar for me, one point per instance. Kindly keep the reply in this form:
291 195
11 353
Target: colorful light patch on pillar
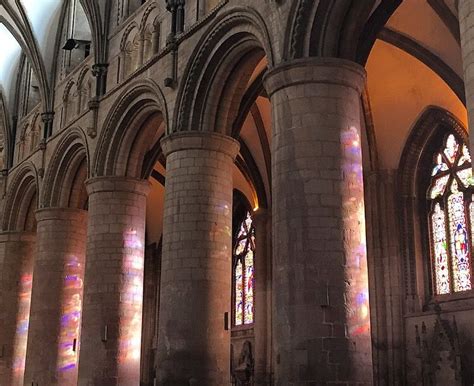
21 335
352 190
131 300
70 315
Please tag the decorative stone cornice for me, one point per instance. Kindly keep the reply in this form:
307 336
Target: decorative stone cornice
315 70
117 184
200 140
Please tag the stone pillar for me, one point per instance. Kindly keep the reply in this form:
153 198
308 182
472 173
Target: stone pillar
193 340
113 288
321 322
56 301
262 290
16 275
466 26
385 276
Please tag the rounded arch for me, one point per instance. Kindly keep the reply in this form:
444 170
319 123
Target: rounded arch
126 34
420 146
145 17
85 71
67 90
122 146
21 199
67 171
344 29
236 42
84 89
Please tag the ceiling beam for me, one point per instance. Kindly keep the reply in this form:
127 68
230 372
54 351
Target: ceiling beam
448 18
434 62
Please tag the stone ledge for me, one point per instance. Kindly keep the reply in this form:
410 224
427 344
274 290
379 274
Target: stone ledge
60 214
117 184
201 140
315 70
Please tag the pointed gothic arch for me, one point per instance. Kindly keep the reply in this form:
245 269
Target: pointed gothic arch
424 140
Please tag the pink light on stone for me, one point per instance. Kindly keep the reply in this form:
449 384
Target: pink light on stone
358 314
132 299
131 240
70 316
21 336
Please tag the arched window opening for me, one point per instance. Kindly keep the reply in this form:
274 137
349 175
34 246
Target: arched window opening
130 51
28 92
451 218
69 104
243 273
76 37
84 91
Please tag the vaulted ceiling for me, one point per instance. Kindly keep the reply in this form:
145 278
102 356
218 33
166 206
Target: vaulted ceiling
28 27
33 28
415 62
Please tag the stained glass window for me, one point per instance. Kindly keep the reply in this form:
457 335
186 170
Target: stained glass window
451 218
244 255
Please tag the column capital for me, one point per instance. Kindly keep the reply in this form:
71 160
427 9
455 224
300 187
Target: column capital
200 140
99 69
335 71
47 116
117 184
57 213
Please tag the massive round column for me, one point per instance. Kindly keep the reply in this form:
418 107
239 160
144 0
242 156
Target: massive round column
262 221
16 275
113 286
321 324
194 342
55 315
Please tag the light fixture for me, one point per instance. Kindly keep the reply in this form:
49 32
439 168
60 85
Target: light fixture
70 44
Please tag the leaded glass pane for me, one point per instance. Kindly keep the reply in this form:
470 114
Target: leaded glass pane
459 240
440 165
465 157
239 294
440 248
451 177
451 149
465 176
244 251
249 268
439 187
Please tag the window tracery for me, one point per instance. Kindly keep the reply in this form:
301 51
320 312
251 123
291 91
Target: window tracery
451 218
